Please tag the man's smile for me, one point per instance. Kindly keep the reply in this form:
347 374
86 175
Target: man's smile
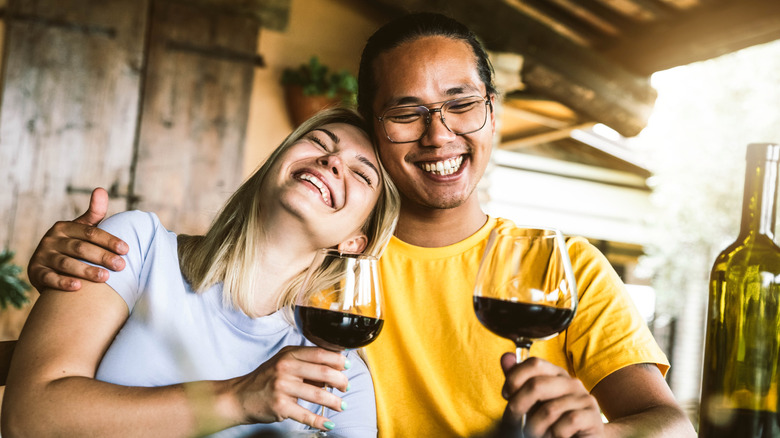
444 167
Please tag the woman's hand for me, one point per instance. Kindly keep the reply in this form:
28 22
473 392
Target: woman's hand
271 392
555 404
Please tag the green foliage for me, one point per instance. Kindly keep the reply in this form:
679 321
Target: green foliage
316 79
13 290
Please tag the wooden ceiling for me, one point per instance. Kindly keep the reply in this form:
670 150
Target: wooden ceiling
590 61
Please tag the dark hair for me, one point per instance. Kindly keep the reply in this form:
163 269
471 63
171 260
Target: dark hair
409 28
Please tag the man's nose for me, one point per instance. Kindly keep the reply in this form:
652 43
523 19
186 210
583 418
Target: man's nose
437 133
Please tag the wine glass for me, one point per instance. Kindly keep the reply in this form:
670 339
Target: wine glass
340 304
525 289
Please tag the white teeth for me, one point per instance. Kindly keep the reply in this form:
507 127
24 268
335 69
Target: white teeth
446 167
319 184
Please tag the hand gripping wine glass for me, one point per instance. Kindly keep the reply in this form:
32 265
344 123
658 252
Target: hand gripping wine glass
340 304
525 288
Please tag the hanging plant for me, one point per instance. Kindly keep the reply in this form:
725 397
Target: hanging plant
312 87
316 79
13 290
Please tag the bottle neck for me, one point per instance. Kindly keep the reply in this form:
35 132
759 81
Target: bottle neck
758 205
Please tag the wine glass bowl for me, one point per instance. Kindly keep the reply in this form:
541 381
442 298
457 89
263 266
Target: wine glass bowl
525 289
340 304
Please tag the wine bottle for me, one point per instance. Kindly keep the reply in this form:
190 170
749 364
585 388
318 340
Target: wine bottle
740 376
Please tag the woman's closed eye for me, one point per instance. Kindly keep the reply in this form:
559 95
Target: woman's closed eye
366 170
318 141
364 176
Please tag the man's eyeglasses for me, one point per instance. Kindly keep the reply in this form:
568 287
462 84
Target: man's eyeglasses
408 123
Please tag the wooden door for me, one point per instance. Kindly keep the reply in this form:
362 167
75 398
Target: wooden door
68 114
147 98
195 108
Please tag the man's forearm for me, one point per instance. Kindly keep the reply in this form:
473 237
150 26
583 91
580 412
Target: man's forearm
659 421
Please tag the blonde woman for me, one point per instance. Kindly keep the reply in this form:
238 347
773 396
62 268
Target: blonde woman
191 338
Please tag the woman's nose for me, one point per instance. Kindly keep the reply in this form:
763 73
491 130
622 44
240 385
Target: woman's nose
332 163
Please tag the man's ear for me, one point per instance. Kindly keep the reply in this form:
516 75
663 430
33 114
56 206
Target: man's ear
493 112
356 244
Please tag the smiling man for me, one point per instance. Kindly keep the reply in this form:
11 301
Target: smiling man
426 85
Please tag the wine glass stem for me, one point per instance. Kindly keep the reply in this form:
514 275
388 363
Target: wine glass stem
522 353
322 433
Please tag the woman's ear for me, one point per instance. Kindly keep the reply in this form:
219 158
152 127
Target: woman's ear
355 244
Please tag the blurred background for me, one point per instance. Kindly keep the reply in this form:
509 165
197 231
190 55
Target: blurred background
624 121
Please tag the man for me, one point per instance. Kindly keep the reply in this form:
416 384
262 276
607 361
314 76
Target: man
426 85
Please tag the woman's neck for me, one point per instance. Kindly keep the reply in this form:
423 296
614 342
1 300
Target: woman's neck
280 257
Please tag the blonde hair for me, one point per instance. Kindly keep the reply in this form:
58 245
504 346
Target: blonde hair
226 253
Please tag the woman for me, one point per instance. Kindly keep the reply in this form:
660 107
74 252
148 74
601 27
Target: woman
111 360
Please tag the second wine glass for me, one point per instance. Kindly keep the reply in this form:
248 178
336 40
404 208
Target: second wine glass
525 288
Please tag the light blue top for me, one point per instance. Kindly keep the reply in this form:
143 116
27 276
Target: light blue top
175 335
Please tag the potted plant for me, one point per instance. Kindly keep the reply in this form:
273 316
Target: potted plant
13 290
312 86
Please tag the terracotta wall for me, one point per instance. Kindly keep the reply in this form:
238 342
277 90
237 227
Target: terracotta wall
334 30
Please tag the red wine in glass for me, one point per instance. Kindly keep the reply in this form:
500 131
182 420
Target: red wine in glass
336 330
520 321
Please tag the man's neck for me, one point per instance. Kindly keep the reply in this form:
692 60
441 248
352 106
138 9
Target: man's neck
434 228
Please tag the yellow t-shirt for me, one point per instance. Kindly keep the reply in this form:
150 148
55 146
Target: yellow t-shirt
436 369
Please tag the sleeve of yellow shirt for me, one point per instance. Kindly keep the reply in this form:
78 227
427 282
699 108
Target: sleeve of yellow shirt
608 332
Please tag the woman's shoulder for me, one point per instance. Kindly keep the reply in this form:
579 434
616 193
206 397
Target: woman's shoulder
133 223
132 218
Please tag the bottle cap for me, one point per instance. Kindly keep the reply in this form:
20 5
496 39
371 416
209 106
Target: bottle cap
763 151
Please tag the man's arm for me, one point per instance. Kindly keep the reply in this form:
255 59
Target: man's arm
55 264
637 399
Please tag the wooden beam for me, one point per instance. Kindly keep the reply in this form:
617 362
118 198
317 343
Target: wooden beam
554 66
545 137
536 117
583 12
597 99
271 14
540 11
701 33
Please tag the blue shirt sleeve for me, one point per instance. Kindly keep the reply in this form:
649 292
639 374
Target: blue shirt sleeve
138 229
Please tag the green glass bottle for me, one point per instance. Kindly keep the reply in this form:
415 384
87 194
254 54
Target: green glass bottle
740 376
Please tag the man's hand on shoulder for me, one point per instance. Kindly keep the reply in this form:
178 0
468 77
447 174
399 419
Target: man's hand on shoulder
55 263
